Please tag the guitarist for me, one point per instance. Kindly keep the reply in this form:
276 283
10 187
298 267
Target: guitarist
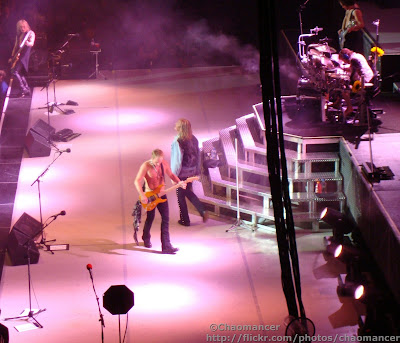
21 55
153 172
185 162
352 26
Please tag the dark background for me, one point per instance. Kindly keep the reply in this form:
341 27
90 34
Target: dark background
157 33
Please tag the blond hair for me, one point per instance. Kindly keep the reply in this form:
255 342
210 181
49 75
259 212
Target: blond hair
184 129
156 153
19 24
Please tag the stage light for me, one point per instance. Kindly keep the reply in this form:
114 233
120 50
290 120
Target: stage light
350 289
338 251
340 223
351 254
359 292
332 247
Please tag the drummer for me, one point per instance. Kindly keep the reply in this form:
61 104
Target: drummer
357 66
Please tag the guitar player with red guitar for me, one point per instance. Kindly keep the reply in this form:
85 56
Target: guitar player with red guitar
21 52
152 173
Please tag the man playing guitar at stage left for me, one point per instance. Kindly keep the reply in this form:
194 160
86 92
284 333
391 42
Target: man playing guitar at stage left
20 54
351 35
153 172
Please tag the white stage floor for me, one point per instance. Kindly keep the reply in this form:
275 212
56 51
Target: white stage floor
215 278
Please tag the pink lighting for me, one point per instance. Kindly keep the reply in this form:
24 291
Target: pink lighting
191 253
163 297
124 119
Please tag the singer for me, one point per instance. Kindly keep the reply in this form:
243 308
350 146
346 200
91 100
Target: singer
20 55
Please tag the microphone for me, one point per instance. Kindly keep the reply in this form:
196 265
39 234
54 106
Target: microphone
325 40
62 213
316 29
66 150
89 268
73 34
376 22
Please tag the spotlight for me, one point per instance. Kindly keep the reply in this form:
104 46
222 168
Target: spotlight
332 247
340 223
359 292
350 254
350 289
338 251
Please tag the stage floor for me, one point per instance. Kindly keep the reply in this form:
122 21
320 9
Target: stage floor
216 277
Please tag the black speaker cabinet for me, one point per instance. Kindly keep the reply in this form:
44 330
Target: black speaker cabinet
43 129
21 238
36 145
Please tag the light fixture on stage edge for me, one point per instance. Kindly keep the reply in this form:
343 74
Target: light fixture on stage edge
341 228
351 289
340 223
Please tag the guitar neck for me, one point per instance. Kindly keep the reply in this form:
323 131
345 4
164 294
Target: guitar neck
171 188
190 179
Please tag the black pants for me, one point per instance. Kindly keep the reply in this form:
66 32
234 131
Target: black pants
188 193
4 337
164 212
19 74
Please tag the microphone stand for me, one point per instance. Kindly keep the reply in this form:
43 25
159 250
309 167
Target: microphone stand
239 222
101 320
55 104
38 180
376 72
30 313
301 8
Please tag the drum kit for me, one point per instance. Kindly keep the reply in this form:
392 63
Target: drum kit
324 75
324 69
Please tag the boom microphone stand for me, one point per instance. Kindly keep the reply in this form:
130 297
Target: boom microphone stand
54 57
301 8
239 222
31 313
38 180
101 320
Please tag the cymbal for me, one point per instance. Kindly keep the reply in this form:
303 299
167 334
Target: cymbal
325 48
314 52
326 62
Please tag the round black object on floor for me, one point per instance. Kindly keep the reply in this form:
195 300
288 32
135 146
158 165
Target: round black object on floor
118 299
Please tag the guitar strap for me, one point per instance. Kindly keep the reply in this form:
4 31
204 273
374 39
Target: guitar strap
162 171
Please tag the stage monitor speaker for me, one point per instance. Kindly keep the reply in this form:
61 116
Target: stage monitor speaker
21 238
36 145
43 129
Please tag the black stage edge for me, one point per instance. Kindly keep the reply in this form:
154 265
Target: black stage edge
375 206
12 139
